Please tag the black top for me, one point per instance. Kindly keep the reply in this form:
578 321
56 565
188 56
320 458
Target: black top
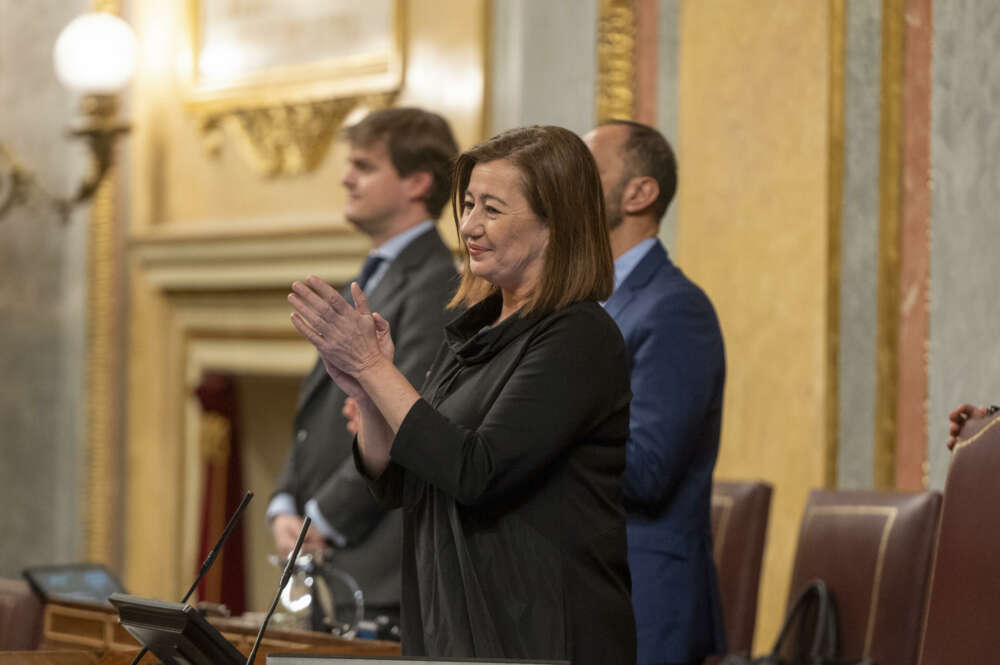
509 475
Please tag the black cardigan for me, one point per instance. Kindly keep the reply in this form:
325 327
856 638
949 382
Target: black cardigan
508 471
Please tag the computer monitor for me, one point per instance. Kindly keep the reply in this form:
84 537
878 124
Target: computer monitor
85 582
176 634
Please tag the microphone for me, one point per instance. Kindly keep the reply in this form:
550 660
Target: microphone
210 559
285 576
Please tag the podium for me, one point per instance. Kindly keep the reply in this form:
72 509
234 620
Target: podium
95 629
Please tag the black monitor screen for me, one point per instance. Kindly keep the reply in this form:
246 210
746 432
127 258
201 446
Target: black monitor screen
84 582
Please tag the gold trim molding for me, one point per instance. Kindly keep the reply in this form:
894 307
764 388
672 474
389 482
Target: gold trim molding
889 259
103 363
616 60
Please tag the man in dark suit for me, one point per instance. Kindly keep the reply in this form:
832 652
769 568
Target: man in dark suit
397 182
677 376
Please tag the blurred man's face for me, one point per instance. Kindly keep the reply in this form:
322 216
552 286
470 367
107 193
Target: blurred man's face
605 144
375 192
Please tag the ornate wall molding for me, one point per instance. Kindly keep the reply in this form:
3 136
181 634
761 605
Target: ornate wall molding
284 112
202 329
287 139
616 40
208 299
243 261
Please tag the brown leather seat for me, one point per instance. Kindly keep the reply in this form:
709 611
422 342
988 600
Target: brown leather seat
20 616
739 523
963 611
873 550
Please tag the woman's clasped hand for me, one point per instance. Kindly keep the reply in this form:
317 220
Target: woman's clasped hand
349 338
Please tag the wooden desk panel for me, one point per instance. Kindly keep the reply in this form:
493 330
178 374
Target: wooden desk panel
60 657
95 628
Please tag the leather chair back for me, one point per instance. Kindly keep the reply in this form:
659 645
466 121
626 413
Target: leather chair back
963 611
739 523
20 616
873 550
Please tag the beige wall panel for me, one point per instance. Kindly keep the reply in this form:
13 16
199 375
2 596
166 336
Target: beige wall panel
753 131
154 478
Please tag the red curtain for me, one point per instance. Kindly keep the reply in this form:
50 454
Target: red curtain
223 490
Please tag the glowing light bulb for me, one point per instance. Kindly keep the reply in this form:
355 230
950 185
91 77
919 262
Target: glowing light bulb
95 54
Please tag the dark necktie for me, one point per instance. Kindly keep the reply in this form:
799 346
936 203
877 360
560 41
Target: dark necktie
368 269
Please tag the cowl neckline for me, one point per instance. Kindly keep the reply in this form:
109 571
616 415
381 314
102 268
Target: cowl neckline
473 339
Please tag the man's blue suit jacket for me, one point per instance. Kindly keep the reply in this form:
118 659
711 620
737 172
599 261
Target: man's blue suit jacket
678 371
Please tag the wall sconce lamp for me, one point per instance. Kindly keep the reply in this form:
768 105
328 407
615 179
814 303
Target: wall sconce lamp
95 55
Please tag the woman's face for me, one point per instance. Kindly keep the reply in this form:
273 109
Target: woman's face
505 239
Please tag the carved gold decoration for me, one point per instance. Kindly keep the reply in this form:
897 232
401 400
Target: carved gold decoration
890 214
215 431
616 60
835 175
284 118
285 140
102 342
104 339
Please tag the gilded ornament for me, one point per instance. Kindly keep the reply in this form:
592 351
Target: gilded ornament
216 434
104 344
285 140
616 60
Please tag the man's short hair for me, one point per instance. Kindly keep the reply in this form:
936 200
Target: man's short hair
646 152
416 140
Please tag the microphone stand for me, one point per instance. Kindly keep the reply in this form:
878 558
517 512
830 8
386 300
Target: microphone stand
289 565
210 559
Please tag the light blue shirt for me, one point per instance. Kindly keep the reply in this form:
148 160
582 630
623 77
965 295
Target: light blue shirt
626 263
284 503
391 248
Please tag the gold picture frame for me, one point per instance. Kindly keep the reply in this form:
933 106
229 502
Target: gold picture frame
267 75
280 76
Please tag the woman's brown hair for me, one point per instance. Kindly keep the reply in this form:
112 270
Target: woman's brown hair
560 180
